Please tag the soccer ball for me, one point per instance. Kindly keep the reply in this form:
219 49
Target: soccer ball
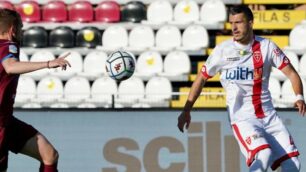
120 65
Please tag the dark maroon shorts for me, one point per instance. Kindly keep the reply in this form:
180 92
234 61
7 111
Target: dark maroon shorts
12 138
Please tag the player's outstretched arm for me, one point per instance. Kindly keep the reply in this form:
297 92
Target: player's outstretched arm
13 66
297 85
196 89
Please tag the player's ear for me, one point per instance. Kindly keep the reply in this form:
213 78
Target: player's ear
11 32
251 22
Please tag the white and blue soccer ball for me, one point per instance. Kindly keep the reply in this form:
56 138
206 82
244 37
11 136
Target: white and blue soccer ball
120 65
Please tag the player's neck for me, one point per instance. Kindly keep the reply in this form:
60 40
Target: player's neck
247 40
5 36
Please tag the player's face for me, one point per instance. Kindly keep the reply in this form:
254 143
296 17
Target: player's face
241 28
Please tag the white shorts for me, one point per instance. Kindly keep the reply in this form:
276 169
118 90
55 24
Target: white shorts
257 134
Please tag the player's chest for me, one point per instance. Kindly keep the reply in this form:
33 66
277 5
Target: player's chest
249 66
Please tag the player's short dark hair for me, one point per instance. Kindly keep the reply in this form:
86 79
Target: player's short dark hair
9 18
237 9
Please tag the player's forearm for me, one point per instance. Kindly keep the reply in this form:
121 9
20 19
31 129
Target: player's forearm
296 83
25 67
195 92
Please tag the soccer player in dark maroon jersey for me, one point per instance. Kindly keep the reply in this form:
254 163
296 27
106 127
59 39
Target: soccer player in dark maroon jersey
15 135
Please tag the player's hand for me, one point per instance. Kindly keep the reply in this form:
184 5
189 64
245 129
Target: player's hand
59 62
300 104
184 119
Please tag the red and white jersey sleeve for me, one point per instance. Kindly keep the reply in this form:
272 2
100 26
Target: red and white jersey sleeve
278 57
213 63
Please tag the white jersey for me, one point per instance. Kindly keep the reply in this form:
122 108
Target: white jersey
245 72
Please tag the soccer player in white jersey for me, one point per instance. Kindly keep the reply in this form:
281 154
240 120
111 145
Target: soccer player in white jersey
245 63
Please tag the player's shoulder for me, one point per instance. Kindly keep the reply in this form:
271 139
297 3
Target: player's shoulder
9 45
263 40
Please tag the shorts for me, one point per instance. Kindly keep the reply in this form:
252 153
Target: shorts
256 134
12 138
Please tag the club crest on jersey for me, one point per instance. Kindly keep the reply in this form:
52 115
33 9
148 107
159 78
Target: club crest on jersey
257 56
257 73
13 49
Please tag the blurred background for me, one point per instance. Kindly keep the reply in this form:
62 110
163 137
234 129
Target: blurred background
80 109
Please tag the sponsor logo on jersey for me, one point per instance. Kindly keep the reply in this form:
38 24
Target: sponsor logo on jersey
257 56
257 73
12 49
239 73
232 58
